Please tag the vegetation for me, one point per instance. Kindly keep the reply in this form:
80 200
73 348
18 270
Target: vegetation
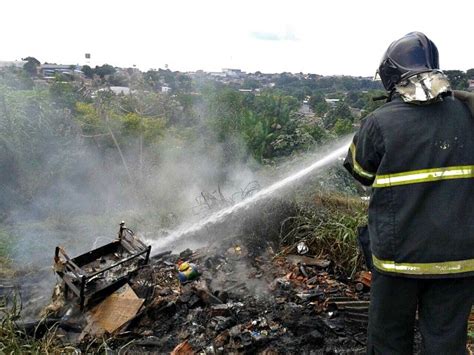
101 71
50 130
6 268
328 225
107 151
458 78
47 130
14 340
75 135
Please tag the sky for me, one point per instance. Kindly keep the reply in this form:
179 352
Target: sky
332 37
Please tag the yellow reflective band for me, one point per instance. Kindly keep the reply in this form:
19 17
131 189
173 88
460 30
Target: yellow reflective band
357 168
425 175
441 268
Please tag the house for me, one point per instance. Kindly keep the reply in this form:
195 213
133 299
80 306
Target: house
332 102
217 74
233 73
117 90
49 71
120 90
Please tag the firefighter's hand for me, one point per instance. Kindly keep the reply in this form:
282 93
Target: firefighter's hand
467 98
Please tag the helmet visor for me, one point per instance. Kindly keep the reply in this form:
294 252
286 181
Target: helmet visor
377 76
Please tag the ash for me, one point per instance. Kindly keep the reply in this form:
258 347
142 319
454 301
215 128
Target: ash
246 300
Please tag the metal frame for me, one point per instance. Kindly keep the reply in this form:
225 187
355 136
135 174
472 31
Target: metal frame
76 279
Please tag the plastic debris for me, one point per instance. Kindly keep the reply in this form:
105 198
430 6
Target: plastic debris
302 248
187 272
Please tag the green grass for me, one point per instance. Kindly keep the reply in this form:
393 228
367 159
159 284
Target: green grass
328 225
13 340
6 244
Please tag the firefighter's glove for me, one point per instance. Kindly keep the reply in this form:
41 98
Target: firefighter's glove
467 98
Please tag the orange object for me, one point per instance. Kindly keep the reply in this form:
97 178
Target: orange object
366 278
183 348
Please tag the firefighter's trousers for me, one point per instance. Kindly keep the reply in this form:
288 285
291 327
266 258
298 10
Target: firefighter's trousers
443 308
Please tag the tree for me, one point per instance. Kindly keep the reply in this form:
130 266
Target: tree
318 104
315 99
342 127
184 83
38 144
31 65
470 74
104 70
250 83
64 94
354 99
457 78
340 112
15 78
88 71
32 60
119 79
321 108
317 132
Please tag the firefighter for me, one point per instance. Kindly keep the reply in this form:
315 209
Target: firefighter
417 154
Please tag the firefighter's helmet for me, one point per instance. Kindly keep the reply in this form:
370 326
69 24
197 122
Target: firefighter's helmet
412 54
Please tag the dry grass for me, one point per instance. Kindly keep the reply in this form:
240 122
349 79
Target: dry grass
328 225
14 340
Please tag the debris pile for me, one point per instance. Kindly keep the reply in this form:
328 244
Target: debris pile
235 298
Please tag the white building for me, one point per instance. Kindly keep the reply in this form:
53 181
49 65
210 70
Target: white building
233 73
49 71
332 102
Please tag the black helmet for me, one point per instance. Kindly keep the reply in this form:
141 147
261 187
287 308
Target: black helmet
412 54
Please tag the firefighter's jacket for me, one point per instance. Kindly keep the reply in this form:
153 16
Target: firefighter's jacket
419 161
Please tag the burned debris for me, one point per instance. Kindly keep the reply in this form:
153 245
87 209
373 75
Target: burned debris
225 297
96 273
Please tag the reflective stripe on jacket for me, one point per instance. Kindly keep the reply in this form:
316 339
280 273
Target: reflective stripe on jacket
420 162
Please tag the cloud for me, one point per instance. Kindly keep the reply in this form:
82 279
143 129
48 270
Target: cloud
288 35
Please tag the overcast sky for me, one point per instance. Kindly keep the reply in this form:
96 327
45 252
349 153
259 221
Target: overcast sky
324 37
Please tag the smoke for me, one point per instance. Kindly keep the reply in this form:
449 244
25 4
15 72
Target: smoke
62 187
318 162
75 210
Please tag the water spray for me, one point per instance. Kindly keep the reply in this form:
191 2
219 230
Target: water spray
169 240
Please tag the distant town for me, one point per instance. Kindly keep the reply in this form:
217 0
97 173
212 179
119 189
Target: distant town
230 76
119 79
